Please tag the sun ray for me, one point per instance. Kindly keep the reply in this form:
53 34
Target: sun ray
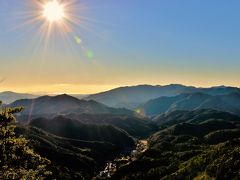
58 21
49 17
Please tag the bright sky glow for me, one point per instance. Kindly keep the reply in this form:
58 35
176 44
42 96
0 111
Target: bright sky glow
53 11
90 46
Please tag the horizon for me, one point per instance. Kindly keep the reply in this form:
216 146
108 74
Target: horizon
97 46
106 90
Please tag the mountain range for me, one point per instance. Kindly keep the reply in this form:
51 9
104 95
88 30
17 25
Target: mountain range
50 106
194 101
169 98
190 132
133 96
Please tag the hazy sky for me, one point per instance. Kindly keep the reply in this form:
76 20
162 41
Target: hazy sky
121 42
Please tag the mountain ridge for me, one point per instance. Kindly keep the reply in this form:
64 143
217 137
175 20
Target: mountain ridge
133 96
192 101
10 96
50 106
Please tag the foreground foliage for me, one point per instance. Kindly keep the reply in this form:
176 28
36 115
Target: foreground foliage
17 159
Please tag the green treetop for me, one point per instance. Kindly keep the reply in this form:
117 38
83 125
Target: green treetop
17 159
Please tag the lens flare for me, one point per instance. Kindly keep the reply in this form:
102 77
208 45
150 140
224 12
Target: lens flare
139 112
90 54
78 40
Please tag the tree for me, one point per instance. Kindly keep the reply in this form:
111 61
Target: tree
17 159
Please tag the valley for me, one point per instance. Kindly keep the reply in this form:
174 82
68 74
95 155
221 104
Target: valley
125 159
188 135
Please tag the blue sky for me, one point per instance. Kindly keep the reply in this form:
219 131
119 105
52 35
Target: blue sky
194 42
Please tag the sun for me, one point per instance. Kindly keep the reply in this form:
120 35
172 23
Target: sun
56 21
53 11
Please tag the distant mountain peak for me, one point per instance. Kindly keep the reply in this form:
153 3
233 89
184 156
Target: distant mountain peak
43 97
64 96
175 85
9 96
7 92
221 86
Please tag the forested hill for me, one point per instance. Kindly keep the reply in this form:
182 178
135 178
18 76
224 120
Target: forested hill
198 146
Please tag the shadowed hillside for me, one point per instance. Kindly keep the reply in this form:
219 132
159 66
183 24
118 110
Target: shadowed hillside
193 101
197 116
205 146
74 129
70 158
136 127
